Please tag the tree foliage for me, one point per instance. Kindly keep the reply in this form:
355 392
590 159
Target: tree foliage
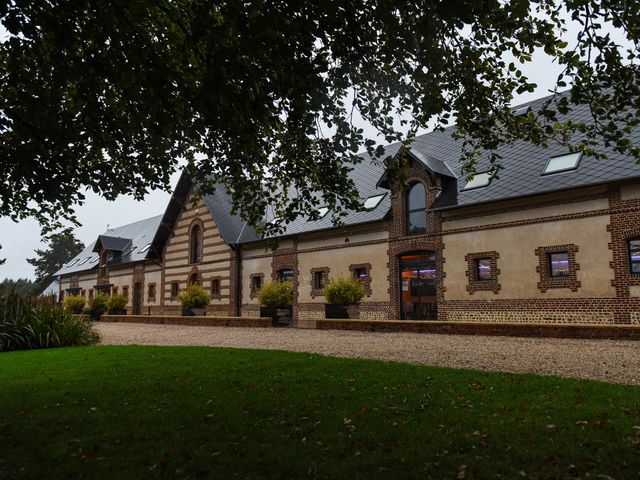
261 94
61 247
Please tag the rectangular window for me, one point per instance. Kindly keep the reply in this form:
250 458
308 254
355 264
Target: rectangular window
360 274
84 293
559 264
215 286
91 293
151 293
483 269
319 280
175 287
125 292
256 283
634 255
115 290
286 274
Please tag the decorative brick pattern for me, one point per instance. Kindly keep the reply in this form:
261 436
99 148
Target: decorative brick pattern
475 283
318 292
287 258
366 282
546 280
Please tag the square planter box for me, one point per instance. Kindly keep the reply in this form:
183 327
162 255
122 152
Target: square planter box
280 316
334 310
194 312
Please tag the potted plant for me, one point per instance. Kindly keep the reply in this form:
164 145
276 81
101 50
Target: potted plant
116 304
98 305
74 304
275 301
194 300
343 296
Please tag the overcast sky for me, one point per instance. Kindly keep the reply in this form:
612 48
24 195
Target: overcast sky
19 240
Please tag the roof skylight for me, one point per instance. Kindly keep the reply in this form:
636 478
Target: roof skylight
145 248
84 261
72 263
479 180
562 163
322 211
94 259
372 202
129 251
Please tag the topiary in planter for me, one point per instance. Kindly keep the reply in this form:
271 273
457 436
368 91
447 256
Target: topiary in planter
98 305
275 299
343 296
116 304
194 300
74 303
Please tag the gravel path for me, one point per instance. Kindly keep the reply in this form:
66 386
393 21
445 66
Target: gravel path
613 361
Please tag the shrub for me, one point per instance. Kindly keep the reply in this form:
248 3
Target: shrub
343 291
99 302
116 303
25 324
278 293
74 303
194 297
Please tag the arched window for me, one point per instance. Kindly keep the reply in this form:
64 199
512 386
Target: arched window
416 209
196 244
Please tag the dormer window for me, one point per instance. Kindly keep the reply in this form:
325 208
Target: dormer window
104 258
479 180
562 163
416 201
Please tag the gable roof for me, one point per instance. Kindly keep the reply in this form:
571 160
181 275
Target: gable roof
116 244
136 235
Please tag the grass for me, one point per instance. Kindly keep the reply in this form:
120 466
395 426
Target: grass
173 412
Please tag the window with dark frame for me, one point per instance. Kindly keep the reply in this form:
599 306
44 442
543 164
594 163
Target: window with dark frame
559 264
256 283
175 288
634 255
196 245
285 274
319 279
151 292
416 206
215 286
360 274
483 269
125 291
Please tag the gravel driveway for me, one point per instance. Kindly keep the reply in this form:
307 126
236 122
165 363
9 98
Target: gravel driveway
616 361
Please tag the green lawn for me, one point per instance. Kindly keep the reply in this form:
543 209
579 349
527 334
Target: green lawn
139 412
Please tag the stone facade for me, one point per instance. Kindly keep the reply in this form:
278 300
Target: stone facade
592 225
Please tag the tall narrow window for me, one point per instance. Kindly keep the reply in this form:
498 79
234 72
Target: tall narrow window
175 287
196 244
416 210
634 255
215 287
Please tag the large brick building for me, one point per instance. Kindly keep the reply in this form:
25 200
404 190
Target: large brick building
553 237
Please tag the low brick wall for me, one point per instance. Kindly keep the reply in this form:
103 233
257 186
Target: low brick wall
205 321
626 332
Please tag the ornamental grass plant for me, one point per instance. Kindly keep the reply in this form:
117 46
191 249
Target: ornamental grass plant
27 323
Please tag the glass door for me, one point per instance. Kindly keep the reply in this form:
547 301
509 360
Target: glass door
418 286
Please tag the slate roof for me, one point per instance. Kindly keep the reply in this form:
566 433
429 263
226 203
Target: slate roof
437 152
139 234
523 164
